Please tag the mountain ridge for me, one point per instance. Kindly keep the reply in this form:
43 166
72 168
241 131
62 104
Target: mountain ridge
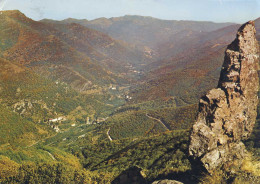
131 28
39 35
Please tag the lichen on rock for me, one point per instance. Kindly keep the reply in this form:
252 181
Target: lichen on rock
227 114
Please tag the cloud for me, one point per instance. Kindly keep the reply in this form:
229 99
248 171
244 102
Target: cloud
2 4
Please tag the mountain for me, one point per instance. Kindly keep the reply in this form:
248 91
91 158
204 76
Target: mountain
178 52
86 57
187 71
146 31
52 69
185 63
49 71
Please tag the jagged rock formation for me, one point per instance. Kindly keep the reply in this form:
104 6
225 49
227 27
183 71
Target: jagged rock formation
227 114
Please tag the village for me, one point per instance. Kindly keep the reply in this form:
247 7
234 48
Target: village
56 122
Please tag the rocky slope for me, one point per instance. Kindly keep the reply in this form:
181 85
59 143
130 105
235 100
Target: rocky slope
227 114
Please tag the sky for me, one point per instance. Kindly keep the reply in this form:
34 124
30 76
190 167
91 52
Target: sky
237 11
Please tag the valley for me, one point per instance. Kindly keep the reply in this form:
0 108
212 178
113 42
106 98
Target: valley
81 101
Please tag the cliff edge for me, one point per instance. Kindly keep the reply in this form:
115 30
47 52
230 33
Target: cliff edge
227 114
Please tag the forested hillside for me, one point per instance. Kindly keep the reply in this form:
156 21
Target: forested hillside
82 101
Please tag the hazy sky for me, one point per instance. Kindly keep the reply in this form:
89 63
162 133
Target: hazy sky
214 10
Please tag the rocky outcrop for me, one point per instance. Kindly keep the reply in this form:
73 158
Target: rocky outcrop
227 114
167 182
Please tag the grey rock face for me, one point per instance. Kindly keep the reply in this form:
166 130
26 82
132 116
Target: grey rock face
227 114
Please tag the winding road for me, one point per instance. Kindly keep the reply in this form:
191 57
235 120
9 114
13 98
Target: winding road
160 121
109 135
33 144
51 155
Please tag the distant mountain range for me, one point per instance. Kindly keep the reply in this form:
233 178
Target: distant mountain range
146 31
171 46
